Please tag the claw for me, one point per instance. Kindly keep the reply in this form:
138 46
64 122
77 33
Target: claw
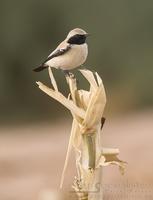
67 73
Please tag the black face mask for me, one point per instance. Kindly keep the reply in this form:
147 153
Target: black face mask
77 39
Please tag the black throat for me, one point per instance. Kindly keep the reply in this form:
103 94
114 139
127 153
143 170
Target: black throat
77 39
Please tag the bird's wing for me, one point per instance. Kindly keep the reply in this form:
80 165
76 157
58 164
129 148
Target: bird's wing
60 50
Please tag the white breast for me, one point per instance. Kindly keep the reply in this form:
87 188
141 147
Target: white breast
75 57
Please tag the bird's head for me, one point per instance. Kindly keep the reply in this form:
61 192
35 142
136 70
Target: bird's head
77 36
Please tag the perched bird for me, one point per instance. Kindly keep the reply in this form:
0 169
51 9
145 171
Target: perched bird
69 54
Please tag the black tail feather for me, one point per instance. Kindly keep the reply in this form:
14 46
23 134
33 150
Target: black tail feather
40 68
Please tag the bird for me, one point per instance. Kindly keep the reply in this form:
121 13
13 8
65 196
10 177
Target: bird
69 54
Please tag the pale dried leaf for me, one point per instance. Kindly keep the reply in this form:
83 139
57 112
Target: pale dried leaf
98 79
90 78
62 99
52 78
73 88
71 139
111 151
95 110
83 98
112 159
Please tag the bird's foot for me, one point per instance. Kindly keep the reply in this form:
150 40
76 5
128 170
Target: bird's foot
68 74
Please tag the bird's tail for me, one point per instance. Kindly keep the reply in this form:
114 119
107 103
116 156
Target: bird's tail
40 68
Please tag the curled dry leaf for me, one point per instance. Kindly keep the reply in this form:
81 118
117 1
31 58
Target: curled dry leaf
109 156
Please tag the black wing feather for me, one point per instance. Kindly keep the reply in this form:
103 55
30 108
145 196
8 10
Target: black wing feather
58 52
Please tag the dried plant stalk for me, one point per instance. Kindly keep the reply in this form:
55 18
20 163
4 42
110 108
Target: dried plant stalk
87 109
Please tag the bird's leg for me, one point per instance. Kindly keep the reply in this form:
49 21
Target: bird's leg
68 74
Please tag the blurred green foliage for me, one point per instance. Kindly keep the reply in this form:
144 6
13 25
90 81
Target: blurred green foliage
120 49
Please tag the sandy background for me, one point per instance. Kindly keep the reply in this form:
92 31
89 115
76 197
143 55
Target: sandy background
32 157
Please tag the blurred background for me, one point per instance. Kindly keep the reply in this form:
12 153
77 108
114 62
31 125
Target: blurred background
31 123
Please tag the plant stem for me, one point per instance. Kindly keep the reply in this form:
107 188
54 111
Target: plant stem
89 144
